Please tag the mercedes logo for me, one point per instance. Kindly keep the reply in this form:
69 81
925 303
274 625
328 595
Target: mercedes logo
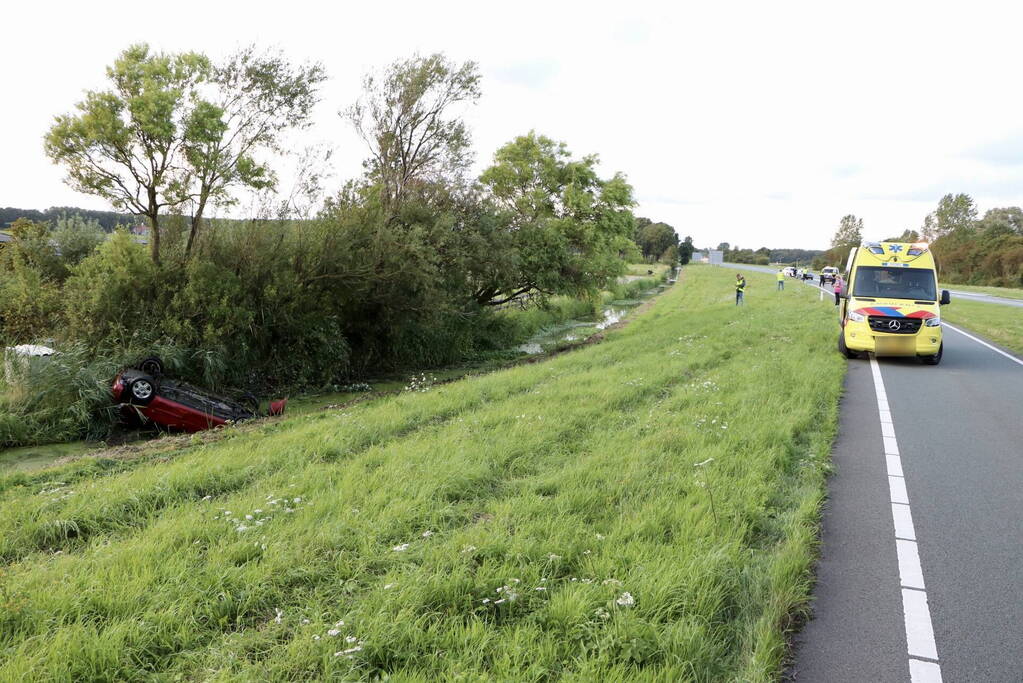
894 325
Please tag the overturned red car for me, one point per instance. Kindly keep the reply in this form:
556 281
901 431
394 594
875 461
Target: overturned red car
145 392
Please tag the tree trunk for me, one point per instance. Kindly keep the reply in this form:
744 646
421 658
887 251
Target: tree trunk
154 237
194 228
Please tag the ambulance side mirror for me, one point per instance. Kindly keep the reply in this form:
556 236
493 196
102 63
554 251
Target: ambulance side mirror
946 298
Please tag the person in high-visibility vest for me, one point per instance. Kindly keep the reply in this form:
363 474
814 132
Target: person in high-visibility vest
781 280
740 287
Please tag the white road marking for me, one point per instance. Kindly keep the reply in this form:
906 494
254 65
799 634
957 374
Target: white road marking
984 343
897 486
894 465
919 634
915 611
924 672
910 573
903 522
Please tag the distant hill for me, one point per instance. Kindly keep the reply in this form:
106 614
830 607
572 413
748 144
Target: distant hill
108 219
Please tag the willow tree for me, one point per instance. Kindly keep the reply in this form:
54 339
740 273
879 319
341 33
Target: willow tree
123 143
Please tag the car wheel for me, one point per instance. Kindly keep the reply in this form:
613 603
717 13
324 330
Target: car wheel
936 358
152 366
141 391
845 350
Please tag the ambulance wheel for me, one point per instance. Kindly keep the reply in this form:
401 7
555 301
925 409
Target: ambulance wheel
936 358
845 350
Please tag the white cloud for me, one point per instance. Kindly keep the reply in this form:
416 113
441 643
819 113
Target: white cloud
753 123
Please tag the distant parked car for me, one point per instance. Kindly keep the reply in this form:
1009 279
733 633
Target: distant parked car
806 275
173 404
789 271
828 275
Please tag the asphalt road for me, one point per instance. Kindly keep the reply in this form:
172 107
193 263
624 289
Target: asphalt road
921 570
972 296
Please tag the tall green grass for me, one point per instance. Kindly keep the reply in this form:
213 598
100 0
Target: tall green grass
643 509
997 322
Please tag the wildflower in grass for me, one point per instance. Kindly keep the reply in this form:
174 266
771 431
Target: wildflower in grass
553 558
389 586
297 500
280 614
248 516
400 548
207 497
350 639
427 533
241 527
612 582
334 632
257 511
305 621
316 637
602 613
486 600
498 602
540 588
339 624
600 537
626 600
469 549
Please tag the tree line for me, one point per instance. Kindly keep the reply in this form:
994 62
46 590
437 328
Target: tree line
969 249
407 264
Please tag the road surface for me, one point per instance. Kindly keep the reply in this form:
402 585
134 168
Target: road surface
972 296
921 570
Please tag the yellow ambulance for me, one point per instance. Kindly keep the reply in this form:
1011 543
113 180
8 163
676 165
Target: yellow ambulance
889 305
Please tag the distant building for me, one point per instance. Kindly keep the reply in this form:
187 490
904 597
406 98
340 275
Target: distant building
716 257
4 239
140 233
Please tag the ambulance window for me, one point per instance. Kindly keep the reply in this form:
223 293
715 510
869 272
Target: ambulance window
895 283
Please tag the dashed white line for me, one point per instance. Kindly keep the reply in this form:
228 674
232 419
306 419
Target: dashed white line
920 643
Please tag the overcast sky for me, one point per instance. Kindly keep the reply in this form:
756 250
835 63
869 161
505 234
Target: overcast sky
759 123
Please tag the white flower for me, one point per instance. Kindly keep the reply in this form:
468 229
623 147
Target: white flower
553 558
241 527
339 624
305 621
389 586
612 582
207 497
257 511
626 600
469 549
400 548
486 600
498 602
350 639
334 632
297 500
427 533
540 588
248 516
316 637
600 537
280 613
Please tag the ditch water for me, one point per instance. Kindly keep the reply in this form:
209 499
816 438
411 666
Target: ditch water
581 328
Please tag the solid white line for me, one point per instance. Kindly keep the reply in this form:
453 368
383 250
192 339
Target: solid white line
897 486
919 634
984 343
894 465
910 573
916 614
903 523
924 672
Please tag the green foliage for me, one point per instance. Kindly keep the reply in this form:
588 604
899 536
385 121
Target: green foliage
849 233
565 226
654 239
955 214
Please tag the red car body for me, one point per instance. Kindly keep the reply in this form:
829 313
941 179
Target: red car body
177 405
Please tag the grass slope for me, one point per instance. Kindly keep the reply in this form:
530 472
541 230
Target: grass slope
995 322
548 521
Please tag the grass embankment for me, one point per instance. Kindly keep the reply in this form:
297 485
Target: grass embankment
1005 292
996 322
642 508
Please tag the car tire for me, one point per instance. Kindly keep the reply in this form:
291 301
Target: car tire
152 366
141 391
936 358
845 350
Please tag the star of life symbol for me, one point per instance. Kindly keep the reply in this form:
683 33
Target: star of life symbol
894 247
